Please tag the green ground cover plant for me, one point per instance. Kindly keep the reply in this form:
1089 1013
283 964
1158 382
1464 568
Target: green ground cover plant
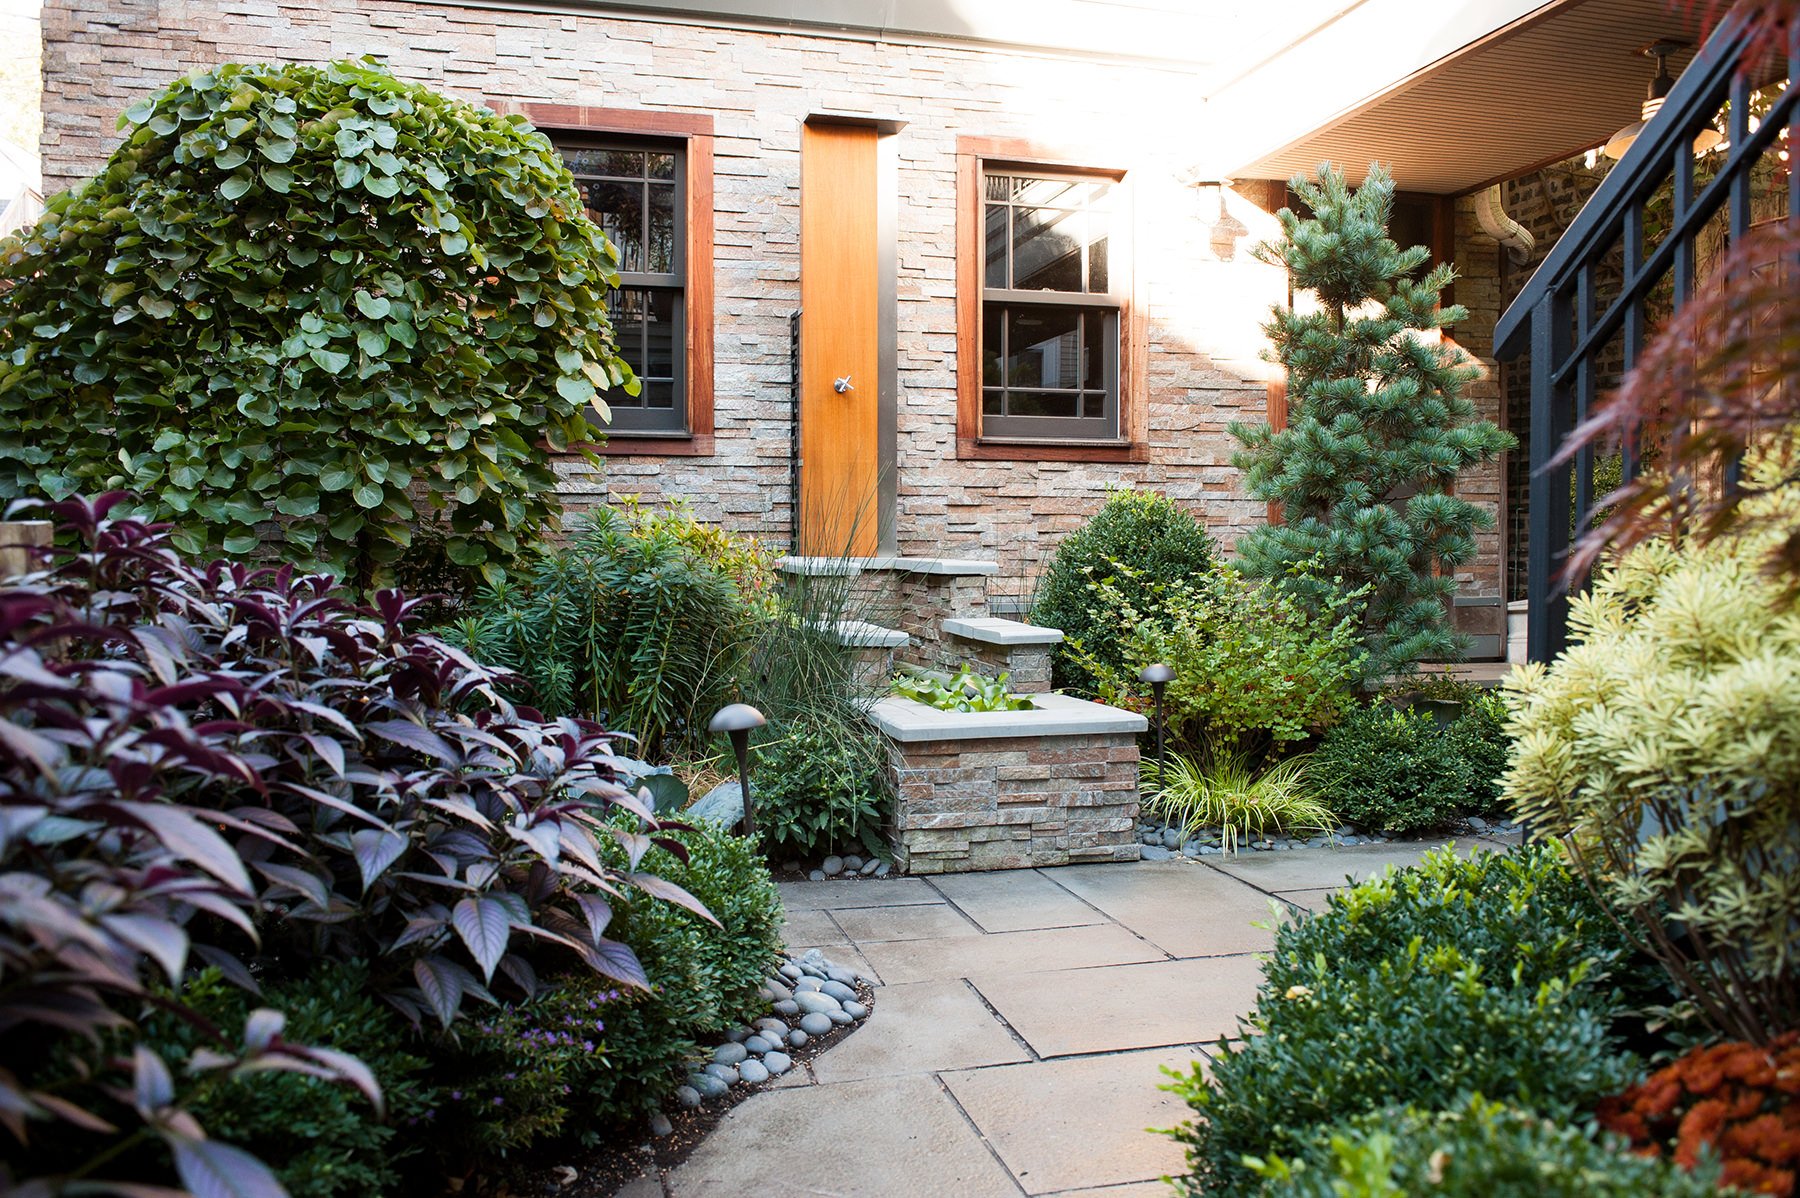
318 296
1145 532
1419 991
1478 1149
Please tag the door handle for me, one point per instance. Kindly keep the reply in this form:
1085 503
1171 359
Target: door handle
842 385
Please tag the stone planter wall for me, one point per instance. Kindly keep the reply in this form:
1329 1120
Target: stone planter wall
1011 790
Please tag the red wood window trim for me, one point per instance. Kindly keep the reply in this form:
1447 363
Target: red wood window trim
971 154
1276 393
696 131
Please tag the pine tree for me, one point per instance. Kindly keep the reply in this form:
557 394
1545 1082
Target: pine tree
1378 427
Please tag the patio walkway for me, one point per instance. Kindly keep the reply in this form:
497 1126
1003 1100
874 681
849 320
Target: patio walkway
1020 1027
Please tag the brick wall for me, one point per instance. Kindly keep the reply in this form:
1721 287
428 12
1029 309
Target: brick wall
1203 294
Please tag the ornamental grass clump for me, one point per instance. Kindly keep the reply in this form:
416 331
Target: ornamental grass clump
1664 746
315 295
1231 793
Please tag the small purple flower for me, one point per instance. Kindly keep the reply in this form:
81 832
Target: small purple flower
456 1096
499 1101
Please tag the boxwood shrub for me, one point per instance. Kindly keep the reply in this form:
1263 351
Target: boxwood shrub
1478 1149
1417 990
1391 770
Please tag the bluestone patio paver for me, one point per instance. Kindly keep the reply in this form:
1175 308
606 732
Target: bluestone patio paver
1007 952
1016 1047
1059 1125
871 925
1126 1006
928 1026
1183 908
1015 901
875 1138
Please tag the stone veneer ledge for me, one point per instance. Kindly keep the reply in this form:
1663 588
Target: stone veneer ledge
1053 715
993 630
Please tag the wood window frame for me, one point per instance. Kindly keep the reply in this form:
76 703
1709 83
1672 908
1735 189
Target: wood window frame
695 131
973 155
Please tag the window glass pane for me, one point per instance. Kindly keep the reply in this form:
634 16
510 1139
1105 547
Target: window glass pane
993 320
661 256
627 163
618 208
999 187
654 395
1095 327
1044 347
1055 404
626 308
662 166
996 245
1061 193
1097 222
1046 249
1093 404
992 403
659 336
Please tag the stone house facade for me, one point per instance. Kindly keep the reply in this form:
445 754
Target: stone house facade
917 168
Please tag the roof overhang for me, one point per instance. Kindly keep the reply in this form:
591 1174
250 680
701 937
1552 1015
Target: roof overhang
1453 106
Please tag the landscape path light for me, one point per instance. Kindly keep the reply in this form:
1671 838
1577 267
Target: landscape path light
736 720
1158 675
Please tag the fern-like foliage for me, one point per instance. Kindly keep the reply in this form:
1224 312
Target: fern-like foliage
639 618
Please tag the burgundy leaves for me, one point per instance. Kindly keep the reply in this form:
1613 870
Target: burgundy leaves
1722 377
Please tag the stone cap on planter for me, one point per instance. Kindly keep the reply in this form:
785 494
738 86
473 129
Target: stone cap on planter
992 630
860 634
1051 715
950 567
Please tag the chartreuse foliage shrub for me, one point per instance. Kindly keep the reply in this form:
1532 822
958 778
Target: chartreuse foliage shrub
642 620
1375 407
1415 991
242 768
1475 1149
1255 667
1146 532
314 293
1662 743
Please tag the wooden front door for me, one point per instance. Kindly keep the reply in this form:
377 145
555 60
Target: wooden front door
839 335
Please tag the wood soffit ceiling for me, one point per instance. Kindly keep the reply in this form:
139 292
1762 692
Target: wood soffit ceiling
1551 86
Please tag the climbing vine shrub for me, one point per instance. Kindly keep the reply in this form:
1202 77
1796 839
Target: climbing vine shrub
315 294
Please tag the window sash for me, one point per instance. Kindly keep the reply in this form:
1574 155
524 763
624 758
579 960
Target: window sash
629 415
1081 429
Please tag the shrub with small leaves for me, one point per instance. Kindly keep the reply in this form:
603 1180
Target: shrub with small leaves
817 787
1478 1149
1392 770
1147 532
313 294
1737 1101
1430 998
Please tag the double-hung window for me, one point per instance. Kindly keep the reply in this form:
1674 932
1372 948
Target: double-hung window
1051 305
636 192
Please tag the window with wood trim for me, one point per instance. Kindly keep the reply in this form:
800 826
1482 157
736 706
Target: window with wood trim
636 192
1051 307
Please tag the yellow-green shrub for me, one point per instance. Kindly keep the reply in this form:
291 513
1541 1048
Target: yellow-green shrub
1665 744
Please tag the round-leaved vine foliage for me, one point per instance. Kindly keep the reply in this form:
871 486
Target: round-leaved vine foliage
315 296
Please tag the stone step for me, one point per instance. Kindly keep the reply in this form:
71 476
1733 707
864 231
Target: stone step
943 567
860 634
993 630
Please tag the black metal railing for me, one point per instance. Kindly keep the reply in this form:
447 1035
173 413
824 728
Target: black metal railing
1566 328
